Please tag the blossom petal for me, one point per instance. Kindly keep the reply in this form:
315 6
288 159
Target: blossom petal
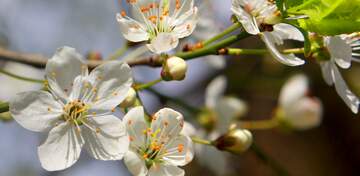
112 81
186 23
165 170
188 129
287 32
179 151
61 149
212 159
340 51
62 69
135 124
293 90
228 109
326 69
169 122
131 29
163 42
107 139
186 6
287 59
351 100
248 21
35 110
135 164
215 90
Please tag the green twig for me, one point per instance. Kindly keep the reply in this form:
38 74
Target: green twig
118 53
222 34
21 77
201 141
238 51
4 107
147 85
269 161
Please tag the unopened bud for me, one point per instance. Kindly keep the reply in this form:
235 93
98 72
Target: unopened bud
130 99
174 68
235 141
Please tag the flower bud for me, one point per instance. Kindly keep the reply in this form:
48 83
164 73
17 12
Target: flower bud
235 141
130 99
174 68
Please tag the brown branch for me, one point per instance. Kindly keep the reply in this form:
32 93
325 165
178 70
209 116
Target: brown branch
38 60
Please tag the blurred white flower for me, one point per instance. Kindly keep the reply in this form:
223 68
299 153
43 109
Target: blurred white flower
78 110
14 86
224 110
257 16
298 110
158 149
235 141
161 22
341 54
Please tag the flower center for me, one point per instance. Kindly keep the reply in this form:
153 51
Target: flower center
74 111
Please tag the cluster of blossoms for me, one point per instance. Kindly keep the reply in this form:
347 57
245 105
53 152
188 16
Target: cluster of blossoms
78 107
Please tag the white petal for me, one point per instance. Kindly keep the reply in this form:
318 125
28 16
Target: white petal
215 90
186 23
351 100
135 125
35 110
304 114
163 42
340 51
112 81
213 159
165 170
169 122
131 29
287 59
188 129
186 6
61 149
286 32
108 124
229 109
326 69
293 90
135 164
62 69
248 21
179 151
103 146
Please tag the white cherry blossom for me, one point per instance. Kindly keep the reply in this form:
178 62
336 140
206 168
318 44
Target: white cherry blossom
158 148
342 51
298 110
77 110
160 22
261 17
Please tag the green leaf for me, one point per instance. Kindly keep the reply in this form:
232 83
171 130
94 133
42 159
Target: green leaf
327 17
281 6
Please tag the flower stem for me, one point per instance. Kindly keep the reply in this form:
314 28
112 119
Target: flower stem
201 141
222 34
21 77
212 49
269 161
259 124
238 51
4 107
118 53
147 85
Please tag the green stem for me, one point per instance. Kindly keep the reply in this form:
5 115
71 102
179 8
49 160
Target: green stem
212 49
179 102
269 161
119 52
201 141
21 77
4 107
238 51
147 85
222 34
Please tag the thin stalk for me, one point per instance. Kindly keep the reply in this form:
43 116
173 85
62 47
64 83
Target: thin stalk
147 85
238 51
269 161
4 107
21 77
118 53
222 34
201 141
212 49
